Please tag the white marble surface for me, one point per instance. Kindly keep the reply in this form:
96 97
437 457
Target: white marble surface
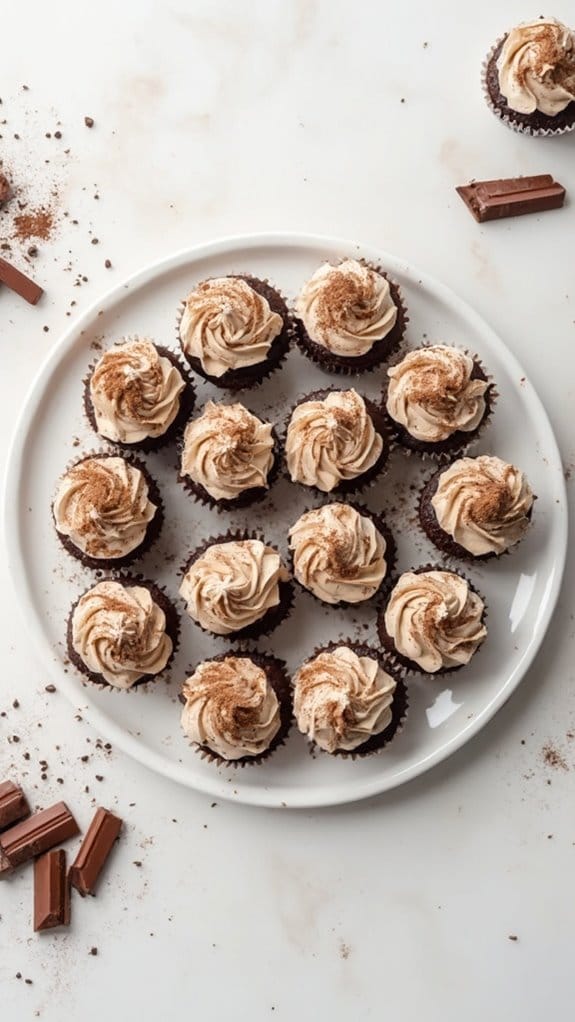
217 118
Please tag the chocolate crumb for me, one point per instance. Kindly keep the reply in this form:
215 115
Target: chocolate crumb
57 134
18 975
512 936
15 704
15 738
108 264
50 688
5 189
99 777
28 981
94 951
95 241
89 122
137 863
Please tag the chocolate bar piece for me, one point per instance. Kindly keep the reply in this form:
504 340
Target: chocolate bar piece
51 891
13 804
513 196
94 851
38 834
20 283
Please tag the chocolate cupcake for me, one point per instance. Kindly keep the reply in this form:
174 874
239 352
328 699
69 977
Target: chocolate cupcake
477 508
229 457
236 586
107 510
122 632
349 700
237 707
137 395
349 317
336 441
529 78
433 622
342 553
234 331
438 399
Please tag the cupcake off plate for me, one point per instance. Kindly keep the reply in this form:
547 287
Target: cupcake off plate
520 589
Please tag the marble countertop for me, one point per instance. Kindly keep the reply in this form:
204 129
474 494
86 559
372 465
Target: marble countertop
214 118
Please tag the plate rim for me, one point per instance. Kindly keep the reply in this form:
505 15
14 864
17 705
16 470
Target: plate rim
98 719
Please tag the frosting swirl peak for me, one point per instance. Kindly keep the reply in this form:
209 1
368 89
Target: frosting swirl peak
342 699
227 450
536 67
231 708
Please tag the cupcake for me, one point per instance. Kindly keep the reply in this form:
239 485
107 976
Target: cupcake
529 78
107 510
237 707
341 553
433 622
137 395
122 632
234 330
348 700
476 508
350 317
236 586
336 441
229 457
437 400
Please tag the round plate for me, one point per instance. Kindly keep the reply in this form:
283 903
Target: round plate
520 590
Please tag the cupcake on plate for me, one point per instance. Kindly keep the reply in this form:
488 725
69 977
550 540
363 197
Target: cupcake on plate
122 632
229 457
336 441
349 700
137 395
476 508
107 510
438 399
234 330
236 586
341 553
350 317
529 78
433 622
237 707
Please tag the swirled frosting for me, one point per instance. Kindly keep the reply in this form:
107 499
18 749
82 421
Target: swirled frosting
331 440
231 708
338 554
346 308
536 67
432 395
120 632
227 450
103 506
135 392
435 619
232 585
227 325
483 503
342 699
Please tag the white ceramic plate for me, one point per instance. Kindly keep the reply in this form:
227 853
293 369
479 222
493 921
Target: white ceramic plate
521 590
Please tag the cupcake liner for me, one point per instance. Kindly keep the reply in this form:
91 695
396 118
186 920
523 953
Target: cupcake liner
187 401
152 532
460 442
390 556
278 678
388 644
537 125
159 597
252 496
247 377
273 617
399 707
363 481
381 350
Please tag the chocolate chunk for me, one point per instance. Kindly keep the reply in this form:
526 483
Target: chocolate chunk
13 804
51 891
20 283
38 834
94 851
514 196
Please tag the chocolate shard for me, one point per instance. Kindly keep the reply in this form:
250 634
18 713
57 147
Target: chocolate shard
13 804
38 834
20 283
94 851
51 891
513 196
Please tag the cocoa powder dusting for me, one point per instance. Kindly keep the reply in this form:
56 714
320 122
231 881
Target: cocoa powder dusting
38 223
553 758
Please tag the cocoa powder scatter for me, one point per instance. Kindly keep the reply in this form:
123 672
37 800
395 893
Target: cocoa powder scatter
553 758
38 223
